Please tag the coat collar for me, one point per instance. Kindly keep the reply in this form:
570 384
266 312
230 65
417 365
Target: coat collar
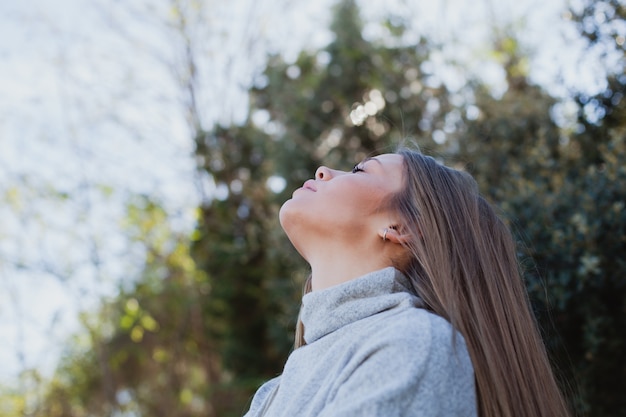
327 310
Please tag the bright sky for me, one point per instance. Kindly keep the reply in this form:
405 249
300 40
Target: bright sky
91 113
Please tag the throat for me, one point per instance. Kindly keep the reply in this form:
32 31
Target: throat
329 271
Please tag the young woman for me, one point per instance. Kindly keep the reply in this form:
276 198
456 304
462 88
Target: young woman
415 305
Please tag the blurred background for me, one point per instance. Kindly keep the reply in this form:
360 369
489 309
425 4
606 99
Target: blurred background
146 146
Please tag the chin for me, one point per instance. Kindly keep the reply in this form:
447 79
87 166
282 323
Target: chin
292 224
283 214
287 217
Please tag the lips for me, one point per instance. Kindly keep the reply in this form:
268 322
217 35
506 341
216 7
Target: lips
309 185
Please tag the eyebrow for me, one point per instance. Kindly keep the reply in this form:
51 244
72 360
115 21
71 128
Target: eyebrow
371 158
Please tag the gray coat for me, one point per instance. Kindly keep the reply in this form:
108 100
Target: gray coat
371 351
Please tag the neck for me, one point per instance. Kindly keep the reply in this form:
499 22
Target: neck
334 267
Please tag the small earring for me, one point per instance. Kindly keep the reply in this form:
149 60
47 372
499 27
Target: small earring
385 234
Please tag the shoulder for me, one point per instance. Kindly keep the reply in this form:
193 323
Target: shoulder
412 362
426 338
414 325
262 395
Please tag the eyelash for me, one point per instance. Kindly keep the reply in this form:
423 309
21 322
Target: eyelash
357 168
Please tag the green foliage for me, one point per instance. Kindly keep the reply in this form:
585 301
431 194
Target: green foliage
577 240
236 246
354 98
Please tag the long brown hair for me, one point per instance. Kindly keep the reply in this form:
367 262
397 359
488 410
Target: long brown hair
463 264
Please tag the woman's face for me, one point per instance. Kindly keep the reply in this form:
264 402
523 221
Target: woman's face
343 205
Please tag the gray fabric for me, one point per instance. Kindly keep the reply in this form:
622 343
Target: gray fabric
371 351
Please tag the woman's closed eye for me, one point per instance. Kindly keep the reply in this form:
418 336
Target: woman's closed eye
357 168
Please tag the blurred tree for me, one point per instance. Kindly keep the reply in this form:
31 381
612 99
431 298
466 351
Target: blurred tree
147 351
351 99
236 245
599 222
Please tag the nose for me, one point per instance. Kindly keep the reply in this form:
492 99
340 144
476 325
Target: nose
323 173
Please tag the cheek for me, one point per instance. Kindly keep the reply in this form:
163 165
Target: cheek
354 210
344 207
363 201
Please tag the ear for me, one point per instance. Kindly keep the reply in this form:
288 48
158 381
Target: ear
393 235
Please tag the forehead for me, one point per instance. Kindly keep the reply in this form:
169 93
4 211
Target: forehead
391 164
390 161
